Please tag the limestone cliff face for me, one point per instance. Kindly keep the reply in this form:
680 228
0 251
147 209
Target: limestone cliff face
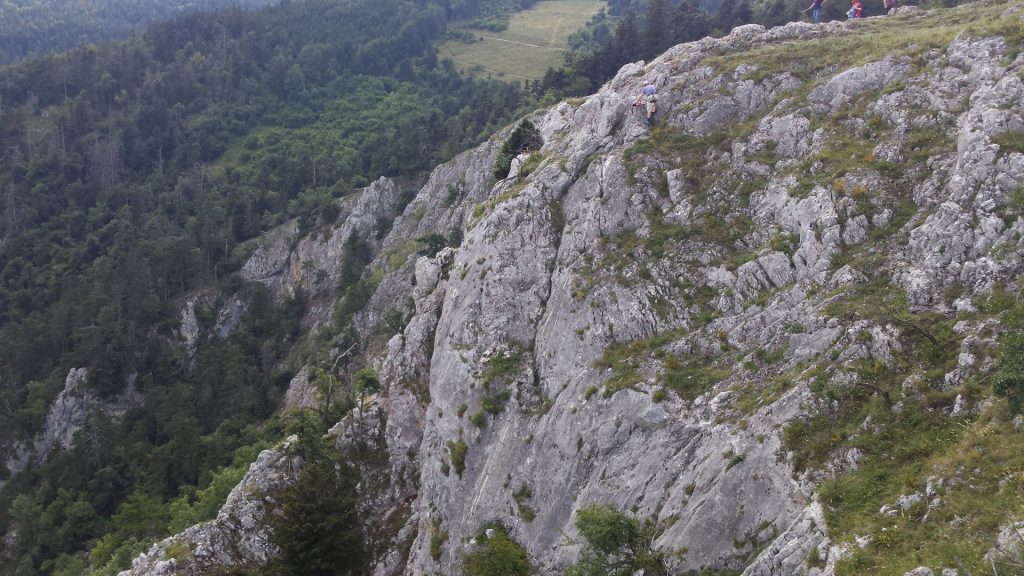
718 241
68 414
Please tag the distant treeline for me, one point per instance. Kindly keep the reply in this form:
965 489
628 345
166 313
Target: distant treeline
632 30
36 26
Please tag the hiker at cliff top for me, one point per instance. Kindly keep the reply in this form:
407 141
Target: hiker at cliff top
816 10
856 9
889 5
648 95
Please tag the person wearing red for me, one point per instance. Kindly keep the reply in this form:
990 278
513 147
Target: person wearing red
856 10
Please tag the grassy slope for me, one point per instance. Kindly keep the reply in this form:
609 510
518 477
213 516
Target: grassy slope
979 457
534 41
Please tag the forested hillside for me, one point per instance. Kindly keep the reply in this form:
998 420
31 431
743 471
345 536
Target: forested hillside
30 27
130 174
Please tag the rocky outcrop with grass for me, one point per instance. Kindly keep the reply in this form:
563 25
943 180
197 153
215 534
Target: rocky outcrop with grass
760 324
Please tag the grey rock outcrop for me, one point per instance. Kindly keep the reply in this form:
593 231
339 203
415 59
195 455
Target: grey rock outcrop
301 392
728 260
68 414
1009 547
239 536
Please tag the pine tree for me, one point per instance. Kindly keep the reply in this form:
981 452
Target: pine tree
689 22
656 33
318 529
627 39
742 14
724 19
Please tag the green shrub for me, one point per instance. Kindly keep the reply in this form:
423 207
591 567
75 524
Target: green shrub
433 243
457 454
366 381
1009 377
497 555
615 543
437 539
495 403
501 367
478 419
317 527
524 138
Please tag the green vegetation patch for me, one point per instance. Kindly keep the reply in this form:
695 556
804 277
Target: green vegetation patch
525 138
628 248
615 542
692 376
438 537
1010 141
484 208
906 437
533 41
688 376
753 396
502 367
685 151
625 359
980 463
874 40
497 555
457 451
522 496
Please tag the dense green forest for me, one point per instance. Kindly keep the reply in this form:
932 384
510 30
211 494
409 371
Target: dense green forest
30 27
130 173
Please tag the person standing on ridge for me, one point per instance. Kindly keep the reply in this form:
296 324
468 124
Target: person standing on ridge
649 96
815 8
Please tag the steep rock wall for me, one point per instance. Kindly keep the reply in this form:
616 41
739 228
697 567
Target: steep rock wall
719 241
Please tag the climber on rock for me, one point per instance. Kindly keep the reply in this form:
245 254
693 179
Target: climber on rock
648 97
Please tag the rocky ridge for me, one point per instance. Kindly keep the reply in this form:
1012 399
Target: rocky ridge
648 311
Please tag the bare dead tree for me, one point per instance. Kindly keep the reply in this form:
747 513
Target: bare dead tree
907 323
105 163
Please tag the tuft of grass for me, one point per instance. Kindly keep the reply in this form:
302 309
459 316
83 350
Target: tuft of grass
624 359
522 496
478 419
785 242
484 208
502 366
437 539
494 404
754 396
922 144
691 377
457 451
734 460
1010 142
